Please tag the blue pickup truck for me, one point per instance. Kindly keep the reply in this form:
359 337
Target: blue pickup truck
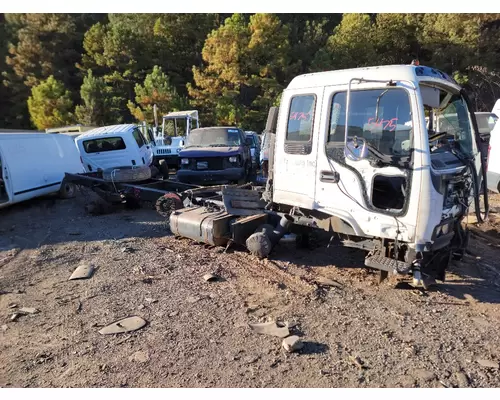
215 155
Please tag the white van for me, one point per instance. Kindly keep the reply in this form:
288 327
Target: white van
33 164
113 147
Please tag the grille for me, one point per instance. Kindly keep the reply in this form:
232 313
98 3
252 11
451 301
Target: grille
166 152
298 148
214 163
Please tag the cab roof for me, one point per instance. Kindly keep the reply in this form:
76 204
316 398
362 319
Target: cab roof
180 114
105 130
413 73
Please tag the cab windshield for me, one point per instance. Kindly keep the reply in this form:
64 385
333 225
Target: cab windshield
382 117
448 122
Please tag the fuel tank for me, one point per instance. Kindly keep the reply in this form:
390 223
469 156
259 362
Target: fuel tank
202 225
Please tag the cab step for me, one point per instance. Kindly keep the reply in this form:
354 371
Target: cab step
387 264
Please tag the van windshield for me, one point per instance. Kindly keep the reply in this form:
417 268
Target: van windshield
381 116
214 137
105 144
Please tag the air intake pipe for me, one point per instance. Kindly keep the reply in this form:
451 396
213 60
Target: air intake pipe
262 242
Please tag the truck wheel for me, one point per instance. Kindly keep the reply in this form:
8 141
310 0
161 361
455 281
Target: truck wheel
167 204
245 176
164 168
67 190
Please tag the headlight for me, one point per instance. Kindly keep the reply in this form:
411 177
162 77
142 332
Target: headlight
233 159
184 161
445 229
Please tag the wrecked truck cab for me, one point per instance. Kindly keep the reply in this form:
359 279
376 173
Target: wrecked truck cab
384 159
394 152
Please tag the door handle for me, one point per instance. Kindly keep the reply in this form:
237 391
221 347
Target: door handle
329 177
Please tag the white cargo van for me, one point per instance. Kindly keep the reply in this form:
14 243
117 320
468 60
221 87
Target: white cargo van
33 164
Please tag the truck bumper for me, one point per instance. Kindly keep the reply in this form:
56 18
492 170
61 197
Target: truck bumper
212 177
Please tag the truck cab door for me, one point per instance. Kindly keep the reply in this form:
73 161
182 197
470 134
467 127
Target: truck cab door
296 146
352 183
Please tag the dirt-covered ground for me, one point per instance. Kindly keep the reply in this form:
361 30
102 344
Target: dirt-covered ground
355 334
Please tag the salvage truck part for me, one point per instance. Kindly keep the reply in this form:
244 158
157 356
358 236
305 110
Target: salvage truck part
150 190
385 159
167 195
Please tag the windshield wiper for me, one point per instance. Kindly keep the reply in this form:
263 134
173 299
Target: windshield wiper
387 159
439 135
372 149
220 145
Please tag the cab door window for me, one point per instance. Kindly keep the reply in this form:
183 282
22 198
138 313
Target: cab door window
300 124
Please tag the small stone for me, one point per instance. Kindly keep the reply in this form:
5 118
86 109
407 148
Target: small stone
14 317
462 379
28 310
12 305
210 277
141 307
425 375
270 328
323 281
4 327
357 361
150 300
173 313
139 356
193 299
292 343
487 363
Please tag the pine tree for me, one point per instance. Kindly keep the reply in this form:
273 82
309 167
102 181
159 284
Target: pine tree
50 104
99 105
156 89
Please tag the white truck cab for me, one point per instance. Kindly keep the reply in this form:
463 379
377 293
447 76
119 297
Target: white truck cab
171 139
386 157
114 146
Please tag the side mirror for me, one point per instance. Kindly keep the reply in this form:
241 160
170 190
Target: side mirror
355 148
272 119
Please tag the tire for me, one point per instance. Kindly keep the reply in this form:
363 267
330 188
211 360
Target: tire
245 177
67 190
167 204
164 169
126 174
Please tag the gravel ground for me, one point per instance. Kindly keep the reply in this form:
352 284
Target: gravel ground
356 334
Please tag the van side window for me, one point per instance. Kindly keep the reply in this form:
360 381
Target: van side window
100 145
138 137
300 124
